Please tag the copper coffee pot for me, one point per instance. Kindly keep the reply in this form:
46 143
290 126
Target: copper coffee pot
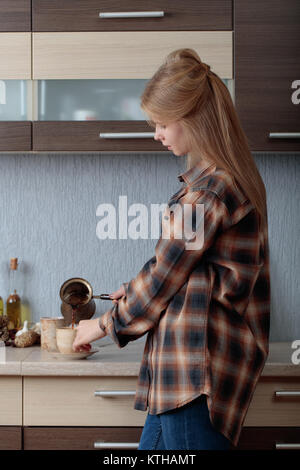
77 298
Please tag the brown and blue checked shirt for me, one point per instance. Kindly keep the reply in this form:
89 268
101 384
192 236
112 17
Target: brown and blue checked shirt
206 310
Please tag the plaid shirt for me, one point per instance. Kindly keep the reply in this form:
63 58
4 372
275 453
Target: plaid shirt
206 310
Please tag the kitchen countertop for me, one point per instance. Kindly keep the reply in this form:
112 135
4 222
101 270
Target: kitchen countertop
113 361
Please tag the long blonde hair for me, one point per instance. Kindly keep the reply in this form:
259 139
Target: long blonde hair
185 89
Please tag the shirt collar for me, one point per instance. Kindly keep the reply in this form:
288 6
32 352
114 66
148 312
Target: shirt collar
193 174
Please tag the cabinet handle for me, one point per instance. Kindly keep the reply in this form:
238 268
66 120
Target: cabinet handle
284 135
126 135
116 445
287 393
287 446
132 14
114 393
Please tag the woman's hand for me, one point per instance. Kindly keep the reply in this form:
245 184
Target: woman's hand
117 294
87 331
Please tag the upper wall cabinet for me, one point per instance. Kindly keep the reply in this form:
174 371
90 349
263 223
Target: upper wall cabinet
91 60
15 71
267 72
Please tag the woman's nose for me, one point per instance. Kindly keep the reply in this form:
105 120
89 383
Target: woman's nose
158 135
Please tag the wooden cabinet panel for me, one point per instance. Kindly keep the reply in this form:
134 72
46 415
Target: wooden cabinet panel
15 15
264 438
15 136
80 438
15 56
66 438
123 55
84 136
267 71
10 400
267 409
78 15
10 438
70 401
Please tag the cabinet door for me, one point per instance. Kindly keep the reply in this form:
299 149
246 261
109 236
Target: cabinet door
15 136
69 85
94 136
276 402
265 438
10 438
15 127
15 15
123 55
10 401
79 438
83 15
267 73
72 401
15 73
15 56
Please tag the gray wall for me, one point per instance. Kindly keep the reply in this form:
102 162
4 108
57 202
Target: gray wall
48 219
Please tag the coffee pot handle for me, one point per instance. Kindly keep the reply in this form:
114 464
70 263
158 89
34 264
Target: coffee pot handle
102 296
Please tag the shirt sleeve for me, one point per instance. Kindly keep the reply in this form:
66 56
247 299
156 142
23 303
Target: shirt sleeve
188 229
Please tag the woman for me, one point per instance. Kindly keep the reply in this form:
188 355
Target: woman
205 307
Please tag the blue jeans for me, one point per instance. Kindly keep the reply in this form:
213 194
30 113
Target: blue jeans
184 428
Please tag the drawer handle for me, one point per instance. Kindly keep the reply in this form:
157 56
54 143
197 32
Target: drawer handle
114 393
116 445
284 135
287 393
126 135
287 446
132 14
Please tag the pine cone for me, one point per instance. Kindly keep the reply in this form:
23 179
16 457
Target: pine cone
4 333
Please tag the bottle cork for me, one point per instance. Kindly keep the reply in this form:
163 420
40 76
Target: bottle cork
13 263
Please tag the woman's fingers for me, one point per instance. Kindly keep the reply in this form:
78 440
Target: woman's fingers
117 294
85 347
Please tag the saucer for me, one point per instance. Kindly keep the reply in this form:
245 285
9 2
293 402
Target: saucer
72 356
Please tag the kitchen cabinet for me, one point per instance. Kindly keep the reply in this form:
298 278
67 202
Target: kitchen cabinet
71 401
83 54
10 412
267 73
275 403
10 401
15 72
10 438
71 41
107 46
153 15
93 412
269 438
81 438
55 405
15 15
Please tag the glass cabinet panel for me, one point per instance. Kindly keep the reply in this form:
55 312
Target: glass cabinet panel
91 100
14 97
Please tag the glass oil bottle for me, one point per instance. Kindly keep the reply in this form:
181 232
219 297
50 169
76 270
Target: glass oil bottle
13 303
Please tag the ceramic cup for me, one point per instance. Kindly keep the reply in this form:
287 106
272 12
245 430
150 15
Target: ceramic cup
65 338
48 332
